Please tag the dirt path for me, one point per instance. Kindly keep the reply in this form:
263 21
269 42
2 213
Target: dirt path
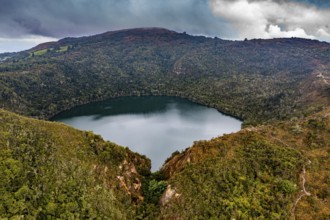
303 192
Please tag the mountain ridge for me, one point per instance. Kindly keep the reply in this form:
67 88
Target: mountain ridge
162 31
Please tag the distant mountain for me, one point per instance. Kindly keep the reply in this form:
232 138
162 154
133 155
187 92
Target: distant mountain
275 168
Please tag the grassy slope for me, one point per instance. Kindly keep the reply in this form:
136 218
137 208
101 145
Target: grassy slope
50 169
255 173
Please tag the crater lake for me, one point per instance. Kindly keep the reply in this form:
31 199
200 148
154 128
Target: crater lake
155 126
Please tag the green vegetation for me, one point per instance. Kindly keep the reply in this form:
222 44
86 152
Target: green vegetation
258 180
278 169
57 49
39 52
49 170
63 49
153 186
255 173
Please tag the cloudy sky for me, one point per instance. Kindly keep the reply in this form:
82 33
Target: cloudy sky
26 23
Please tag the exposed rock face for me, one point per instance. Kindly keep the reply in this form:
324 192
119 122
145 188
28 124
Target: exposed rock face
169 194
130 181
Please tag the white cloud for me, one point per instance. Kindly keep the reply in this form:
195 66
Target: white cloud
274 31
271 19
323 34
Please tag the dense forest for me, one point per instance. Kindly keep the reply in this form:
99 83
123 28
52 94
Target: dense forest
277 167
257 173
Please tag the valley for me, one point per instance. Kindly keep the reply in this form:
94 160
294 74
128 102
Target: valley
278 87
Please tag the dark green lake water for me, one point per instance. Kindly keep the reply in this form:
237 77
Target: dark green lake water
153 126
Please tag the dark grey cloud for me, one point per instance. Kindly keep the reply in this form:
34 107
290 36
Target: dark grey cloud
60 18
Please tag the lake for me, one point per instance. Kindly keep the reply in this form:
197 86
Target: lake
155 126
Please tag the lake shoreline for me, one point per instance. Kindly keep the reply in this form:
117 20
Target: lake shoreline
159 125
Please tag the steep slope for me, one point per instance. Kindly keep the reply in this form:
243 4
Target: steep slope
49 170
257 80
268 172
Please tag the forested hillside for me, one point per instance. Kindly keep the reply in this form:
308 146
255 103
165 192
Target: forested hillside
257 80
49 170
267 172
277 167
